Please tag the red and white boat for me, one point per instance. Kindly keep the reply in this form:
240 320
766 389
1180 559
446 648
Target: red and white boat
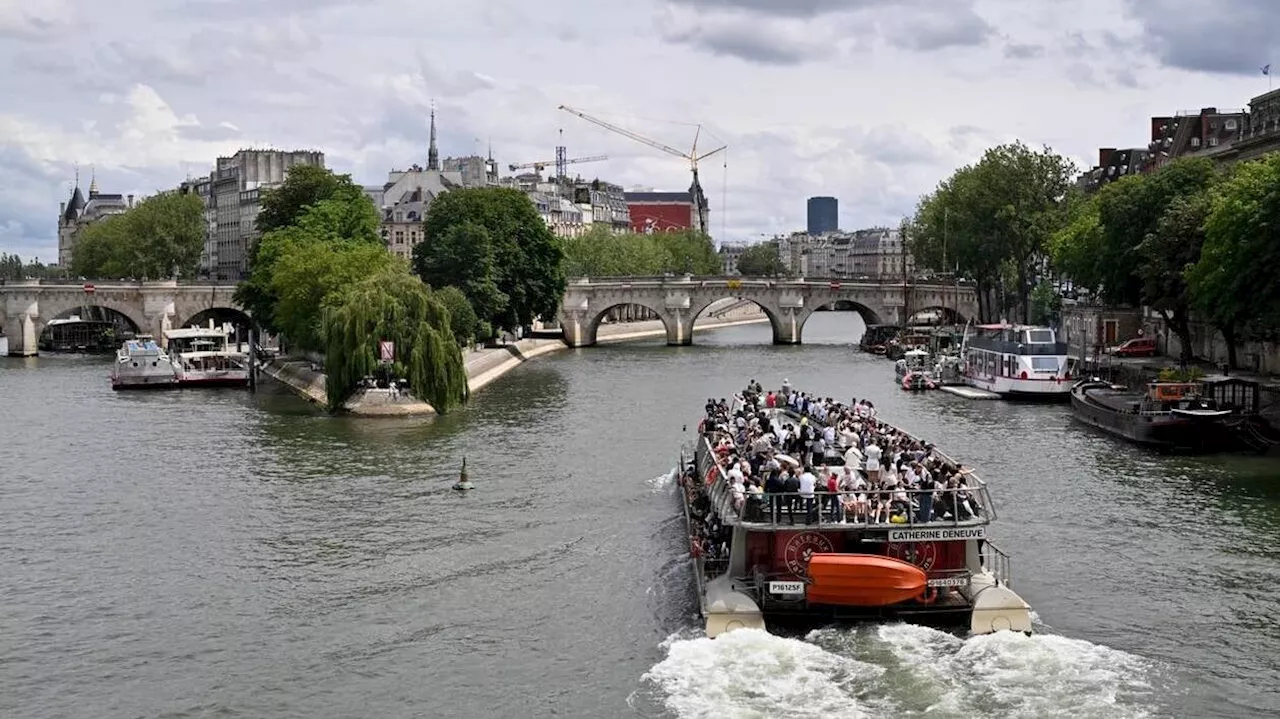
204 357
762 564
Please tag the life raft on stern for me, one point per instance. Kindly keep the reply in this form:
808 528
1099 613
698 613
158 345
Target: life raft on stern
863 580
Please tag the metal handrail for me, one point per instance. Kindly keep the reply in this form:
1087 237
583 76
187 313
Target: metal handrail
996 561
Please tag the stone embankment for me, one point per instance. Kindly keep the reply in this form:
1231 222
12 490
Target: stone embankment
485 365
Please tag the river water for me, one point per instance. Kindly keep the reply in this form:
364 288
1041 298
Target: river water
219 553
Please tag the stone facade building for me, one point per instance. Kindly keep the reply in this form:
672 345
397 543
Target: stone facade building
875 253
77 212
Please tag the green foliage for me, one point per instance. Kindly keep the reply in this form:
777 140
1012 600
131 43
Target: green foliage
12 267
346 218
1234 281
690 251
1166 254
1046 304
1179 374
600 252
527 259
1075 249
463 257
394 306
303 186
462 317
995 218
761 260
156 238
308 271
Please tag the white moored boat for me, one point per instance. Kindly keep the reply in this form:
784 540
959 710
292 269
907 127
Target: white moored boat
1017 361
206 359
142 364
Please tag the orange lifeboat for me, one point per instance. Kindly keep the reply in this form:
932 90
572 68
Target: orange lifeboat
863 580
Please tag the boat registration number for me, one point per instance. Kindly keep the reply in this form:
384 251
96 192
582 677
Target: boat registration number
962 581
786 587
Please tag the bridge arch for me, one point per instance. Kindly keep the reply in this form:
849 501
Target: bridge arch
938 314
234 315
697 312
595 317
58 306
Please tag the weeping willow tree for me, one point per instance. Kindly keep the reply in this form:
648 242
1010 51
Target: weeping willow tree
393 306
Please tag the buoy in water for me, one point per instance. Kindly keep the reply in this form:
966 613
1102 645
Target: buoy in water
463 483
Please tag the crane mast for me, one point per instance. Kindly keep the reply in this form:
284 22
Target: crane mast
695 189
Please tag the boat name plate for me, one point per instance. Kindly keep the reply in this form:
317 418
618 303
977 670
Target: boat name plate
786 587
937 535
962 581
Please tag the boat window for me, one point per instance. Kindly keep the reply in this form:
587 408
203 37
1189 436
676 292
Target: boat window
1040 336
1044 364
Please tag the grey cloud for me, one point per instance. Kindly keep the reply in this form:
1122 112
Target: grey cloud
238 10
1235 38
750 43
29 190
155 63
953 25
788 8
213 133
1018 51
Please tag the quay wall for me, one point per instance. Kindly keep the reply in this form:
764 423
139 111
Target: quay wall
482 366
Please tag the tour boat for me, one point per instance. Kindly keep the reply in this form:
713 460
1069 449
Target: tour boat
205 358
913 371
833 566
1017 361
142 364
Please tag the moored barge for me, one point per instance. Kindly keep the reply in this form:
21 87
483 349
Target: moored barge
791 557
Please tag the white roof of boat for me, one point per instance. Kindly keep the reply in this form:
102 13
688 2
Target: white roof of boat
198 355
915 353
193 332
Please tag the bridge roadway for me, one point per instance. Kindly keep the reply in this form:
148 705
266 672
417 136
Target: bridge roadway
26 306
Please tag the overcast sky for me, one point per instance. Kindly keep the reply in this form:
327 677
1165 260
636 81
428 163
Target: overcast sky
873 101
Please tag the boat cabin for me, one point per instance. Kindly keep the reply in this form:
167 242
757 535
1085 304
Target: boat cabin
1236 393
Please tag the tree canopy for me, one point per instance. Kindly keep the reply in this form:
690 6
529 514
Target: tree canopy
600 252
1233 282
761 260
392 305
13 267
159 237
303 186
341 221
992 220
307 271
527 259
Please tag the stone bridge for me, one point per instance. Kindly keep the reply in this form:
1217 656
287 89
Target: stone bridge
26 306
788 303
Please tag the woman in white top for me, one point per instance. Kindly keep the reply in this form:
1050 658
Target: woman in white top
872 454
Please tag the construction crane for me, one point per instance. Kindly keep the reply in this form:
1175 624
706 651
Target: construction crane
540 166
699 198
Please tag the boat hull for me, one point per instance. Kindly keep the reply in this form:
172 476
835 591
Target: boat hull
863 580
1167 432
128 383
1042 390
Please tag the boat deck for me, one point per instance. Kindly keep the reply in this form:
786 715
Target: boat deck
1116 400
968 392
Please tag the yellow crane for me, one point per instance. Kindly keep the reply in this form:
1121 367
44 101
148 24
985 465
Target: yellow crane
695 190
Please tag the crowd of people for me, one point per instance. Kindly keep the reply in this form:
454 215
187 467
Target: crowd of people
830 461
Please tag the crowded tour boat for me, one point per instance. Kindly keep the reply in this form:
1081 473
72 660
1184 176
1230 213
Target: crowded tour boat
1017 361
142 364
804 509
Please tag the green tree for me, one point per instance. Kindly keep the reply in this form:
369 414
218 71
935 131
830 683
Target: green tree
994 218
600 252
394 306
1075 250
462 317
761 260
463 257
528 260
303 186
1233 283
1046 304
159 237
690 251
1171 249
346 218
307 271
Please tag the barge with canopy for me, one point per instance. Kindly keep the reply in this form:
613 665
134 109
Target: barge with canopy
820 566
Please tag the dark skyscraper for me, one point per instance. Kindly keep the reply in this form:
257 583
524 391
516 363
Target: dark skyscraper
824 215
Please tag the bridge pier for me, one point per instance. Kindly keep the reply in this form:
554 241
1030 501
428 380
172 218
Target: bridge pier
23 333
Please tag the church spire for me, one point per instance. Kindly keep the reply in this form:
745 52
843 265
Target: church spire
93 180
433 153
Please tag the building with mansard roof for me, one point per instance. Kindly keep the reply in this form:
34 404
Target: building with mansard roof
77 213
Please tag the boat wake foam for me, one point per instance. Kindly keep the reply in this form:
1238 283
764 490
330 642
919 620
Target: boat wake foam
898 670
663 481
